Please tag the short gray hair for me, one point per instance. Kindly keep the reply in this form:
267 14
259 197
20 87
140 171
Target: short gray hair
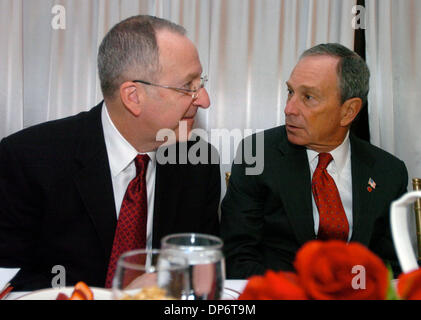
352 71
130 50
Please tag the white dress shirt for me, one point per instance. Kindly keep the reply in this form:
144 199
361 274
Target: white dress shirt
121 155
340 170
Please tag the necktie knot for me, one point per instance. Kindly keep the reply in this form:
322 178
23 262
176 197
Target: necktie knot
324 160
141 161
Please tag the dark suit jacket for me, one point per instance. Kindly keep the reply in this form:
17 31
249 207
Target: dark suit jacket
266 218
57 204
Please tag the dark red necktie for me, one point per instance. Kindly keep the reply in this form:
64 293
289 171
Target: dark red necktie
131 225
333 223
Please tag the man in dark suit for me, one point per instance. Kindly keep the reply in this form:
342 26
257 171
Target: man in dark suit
62 183
266 218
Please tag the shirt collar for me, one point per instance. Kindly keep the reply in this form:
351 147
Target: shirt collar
120 152
339 154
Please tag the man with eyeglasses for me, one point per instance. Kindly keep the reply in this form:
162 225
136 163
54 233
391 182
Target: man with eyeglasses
80 191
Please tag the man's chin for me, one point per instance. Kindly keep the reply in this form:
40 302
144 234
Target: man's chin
184 130
292 138
189 122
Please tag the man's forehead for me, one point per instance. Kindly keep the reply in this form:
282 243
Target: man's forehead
171 43
320 59
312 71
178 52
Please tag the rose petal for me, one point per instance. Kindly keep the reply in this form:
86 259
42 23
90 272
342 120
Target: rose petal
409 285
331 270
274 286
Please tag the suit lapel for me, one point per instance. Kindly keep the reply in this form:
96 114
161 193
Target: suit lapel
362 169
167 188
295 190
94 179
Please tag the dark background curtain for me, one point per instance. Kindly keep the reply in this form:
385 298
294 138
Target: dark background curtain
361 126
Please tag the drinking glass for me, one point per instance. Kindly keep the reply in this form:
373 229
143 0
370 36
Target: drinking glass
151 275
206 263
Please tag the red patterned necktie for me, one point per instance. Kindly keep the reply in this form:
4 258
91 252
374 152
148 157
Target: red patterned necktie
131 225
333 223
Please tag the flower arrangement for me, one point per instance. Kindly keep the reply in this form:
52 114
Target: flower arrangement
334 270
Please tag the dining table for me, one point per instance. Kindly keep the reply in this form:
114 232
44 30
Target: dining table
232 290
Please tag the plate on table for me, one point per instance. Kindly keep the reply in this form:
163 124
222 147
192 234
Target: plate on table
233 289
51 293
99 294
230 294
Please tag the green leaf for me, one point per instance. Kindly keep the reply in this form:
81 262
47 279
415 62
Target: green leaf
391 290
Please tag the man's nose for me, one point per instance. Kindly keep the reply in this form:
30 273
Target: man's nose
202 100
291 106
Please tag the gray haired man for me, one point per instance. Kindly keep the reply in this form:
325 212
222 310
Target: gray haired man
80 191
319 180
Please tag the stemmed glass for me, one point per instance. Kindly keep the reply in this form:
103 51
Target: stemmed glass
151 275
206 263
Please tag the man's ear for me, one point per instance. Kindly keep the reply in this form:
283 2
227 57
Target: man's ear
132 97
350 110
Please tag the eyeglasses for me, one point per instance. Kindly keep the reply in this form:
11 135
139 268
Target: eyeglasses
194 93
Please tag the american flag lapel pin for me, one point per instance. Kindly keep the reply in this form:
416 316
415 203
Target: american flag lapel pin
371 185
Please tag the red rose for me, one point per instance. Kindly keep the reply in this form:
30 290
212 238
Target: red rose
273 286
337 270
409 285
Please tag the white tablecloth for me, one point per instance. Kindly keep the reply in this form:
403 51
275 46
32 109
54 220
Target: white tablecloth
7 274
237 285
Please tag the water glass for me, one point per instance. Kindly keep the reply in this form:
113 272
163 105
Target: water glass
151 275
206 263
